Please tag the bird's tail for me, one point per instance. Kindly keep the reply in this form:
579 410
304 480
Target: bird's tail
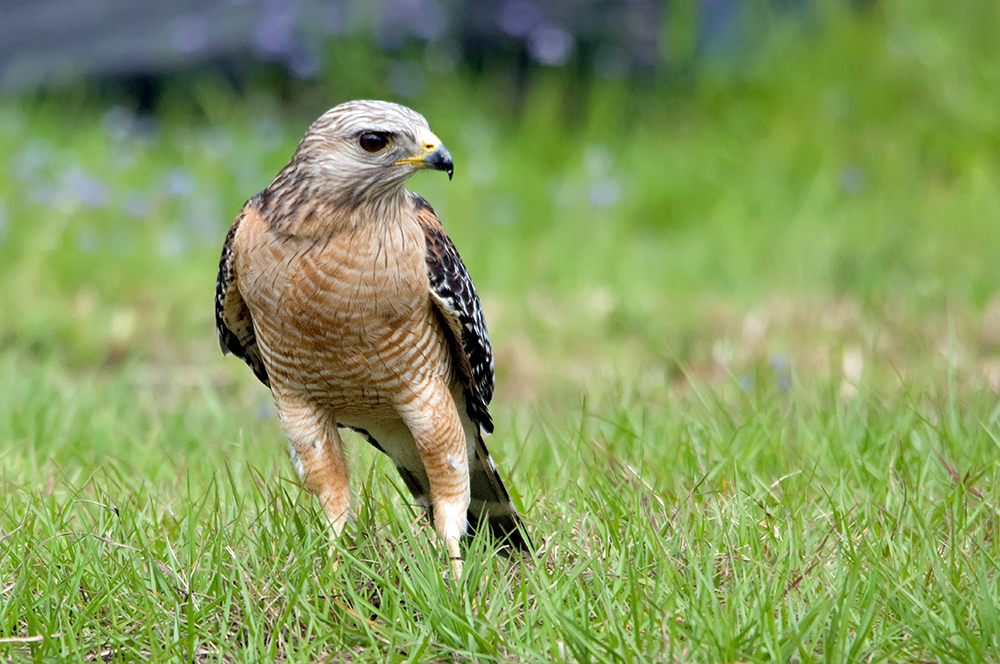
491 504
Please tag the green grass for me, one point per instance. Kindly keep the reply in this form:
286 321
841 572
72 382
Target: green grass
748 346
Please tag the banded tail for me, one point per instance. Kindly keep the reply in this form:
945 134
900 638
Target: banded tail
491 502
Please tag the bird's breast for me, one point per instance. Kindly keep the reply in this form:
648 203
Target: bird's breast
348 318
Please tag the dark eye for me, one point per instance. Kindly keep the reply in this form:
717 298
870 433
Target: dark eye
373 142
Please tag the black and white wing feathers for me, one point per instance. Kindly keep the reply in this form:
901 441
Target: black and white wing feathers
459 306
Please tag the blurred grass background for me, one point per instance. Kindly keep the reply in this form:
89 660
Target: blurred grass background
834 185
751 246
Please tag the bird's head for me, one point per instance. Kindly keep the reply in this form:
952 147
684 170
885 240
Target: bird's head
363 151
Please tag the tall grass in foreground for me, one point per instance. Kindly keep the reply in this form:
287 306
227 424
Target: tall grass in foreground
748 347
720 526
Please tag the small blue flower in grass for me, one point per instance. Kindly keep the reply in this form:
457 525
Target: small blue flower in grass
78 186
118 123
604 190
853 179
179 183
747 382
782 370
551 45
604 193
138 205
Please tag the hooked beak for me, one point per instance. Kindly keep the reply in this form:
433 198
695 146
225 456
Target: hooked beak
440 160
435 156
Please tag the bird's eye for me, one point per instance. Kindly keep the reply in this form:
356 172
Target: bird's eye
373 142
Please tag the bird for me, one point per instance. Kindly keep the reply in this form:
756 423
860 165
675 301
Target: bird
345 296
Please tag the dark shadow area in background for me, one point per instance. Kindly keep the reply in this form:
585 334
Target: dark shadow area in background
134 52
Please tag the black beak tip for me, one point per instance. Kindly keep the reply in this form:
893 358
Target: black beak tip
440 160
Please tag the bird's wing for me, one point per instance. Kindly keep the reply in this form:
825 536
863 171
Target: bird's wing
232 317
457 303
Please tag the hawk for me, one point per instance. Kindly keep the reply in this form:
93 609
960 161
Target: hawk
343 293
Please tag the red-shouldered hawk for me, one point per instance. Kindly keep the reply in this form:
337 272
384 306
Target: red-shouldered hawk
345 296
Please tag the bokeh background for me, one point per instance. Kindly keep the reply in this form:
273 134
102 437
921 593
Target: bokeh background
644 189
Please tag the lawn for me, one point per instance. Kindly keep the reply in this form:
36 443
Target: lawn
747 332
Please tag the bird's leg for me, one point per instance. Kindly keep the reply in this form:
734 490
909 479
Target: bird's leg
433 420
457 561
318 457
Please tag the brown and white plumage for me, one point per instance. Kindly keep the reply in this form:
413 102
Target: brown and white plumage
342 292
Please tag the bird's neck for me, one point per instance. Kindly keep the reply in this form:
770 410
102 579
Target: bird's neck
298 205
